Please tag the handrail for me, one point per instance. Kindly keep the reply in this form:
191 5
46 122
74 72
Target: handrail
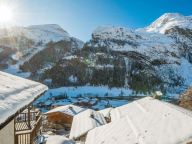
23 117
26 137
35 125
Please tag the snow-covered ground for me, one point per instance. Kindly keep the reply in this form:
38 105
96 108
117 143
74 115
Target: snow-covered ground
98 96
56 139
14 69
88 91
95 97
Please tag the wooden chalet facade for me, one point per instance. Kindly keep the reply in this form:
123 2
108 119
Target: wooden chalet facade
60 118
63 115
19 122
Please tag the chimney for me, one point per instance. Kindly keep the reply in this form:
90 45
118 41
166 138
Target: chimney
157 95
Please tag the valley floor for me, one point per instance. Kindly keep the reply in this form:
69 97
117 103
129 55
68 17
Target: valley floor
95 97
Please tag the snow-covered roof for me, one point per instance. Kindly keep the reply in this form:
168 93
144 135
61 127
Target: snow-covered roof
106 112
56 139
16 93
147 121
146 104
70 109
85 121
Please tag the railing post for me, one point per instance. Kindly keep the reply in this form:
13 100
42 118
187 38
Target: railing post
29 117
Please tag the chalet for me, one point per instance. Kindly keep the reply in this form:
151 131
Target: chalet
84 122
63 115
19 123
147 120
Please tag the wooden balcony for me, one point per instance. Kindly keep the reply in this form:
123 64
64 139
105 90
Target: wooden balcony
27 127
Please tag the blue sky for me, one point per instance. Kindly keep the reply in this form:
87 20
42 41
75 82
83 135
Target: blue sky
81 17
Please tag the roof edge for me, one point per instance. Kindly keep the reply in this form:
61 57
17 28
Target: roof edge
10 118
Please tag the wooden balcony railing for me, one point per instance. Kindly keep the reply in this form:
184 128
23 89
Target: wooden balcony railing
23 117
26 132
23 122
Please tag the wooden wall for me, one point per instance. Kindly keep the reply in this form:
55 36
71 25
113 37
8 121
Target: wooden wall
60 118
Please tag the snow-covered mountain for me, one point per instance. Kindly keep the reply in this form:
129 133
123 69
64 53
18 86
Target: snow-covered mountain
20 44
166 45
158 57
153 45
36 33
169 21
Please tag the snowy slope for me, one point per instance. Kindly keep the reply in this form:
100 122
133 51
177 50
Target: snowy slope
30 40
168 21
112 32
165 46
21 44
122 39
37 33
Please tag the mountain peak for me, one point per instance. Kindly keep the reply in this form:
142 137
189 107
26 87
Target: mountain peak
44 33
45 26
168 21
50 27
172 15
